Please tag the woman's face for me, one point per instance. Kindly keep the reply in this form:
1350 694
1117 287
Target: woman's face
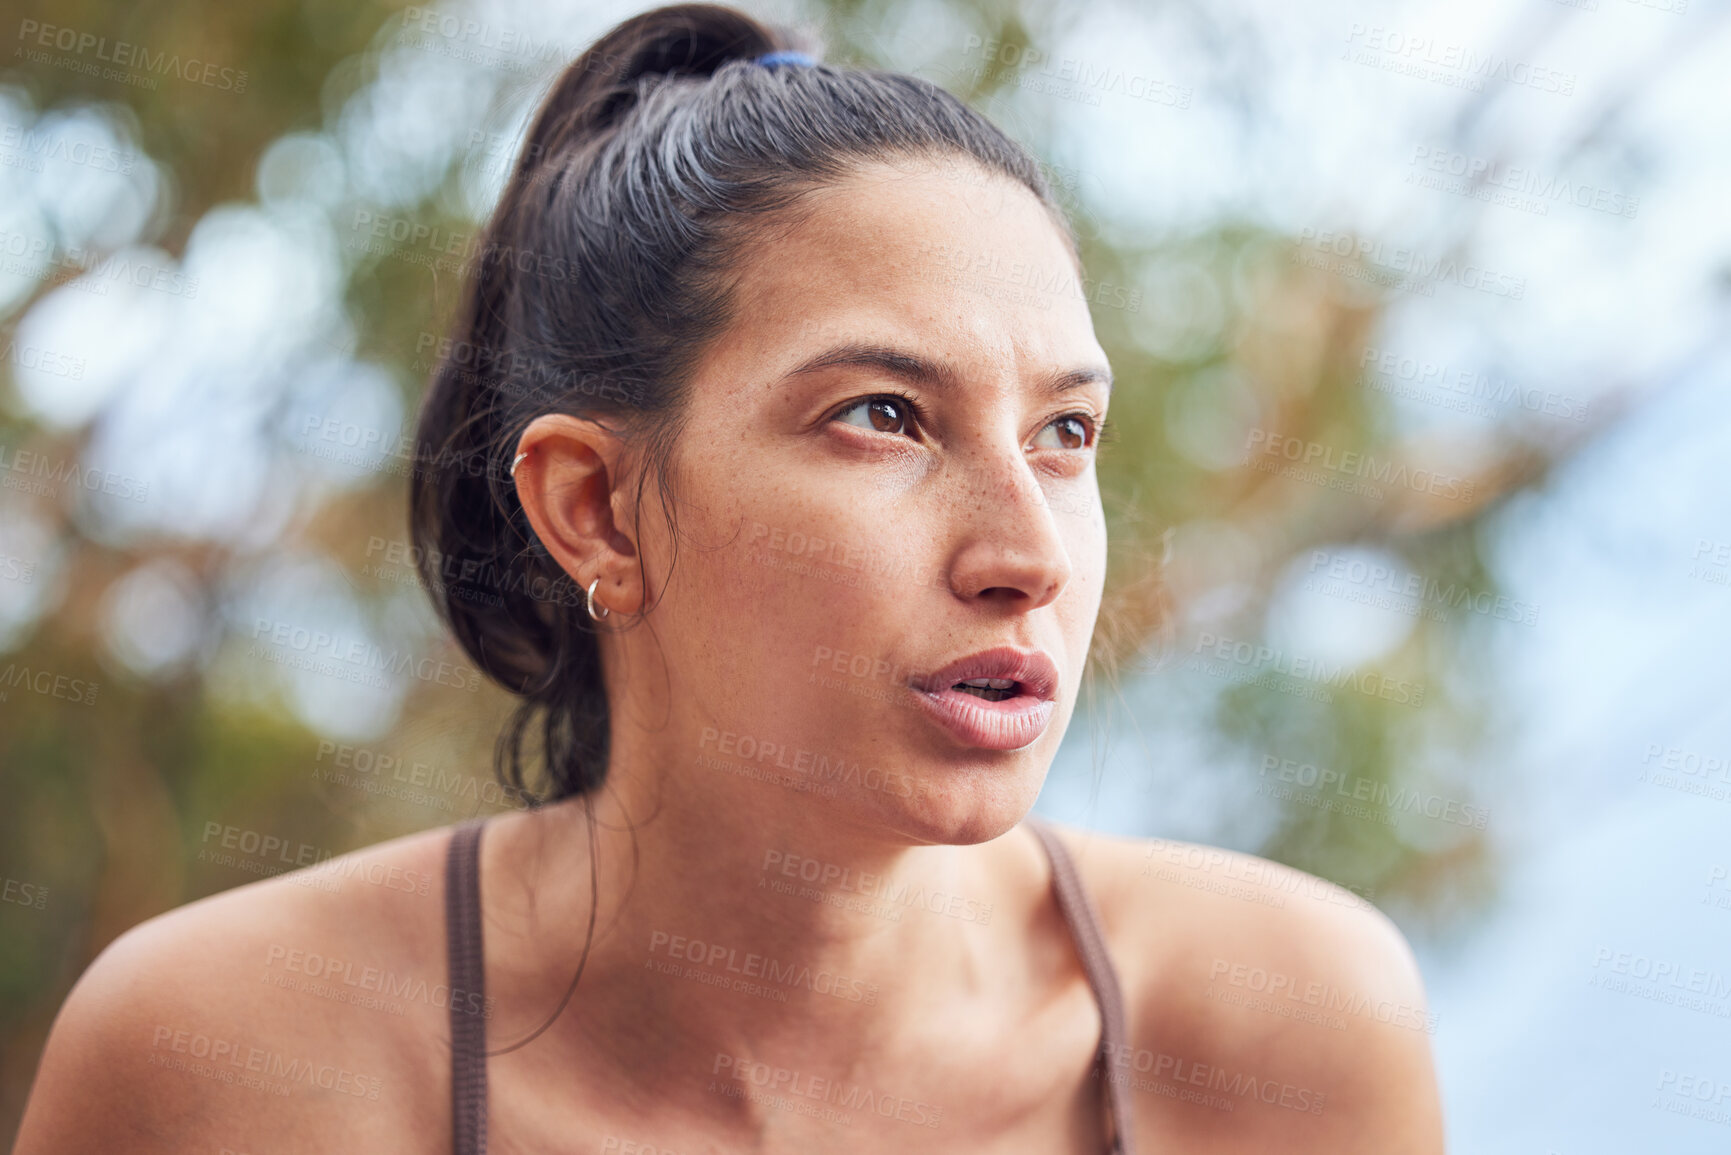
889 466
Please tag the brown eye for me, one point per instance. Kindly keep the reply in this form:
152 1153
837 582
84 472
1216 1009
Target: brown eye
886 414
1073 437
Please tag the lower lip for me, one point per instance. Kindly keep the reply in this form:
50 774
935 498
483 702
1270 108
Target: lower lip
973 721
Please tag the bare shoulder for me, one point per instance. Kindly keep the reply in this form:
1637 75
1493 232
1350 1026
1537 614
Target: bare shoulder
305 1011
1268 1008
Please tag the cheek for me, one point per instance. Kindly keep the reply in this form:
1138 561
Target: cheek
1078 608
1084 532
760 608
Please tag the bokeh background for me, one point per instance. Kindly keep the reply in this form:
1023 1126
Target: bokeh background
1421 573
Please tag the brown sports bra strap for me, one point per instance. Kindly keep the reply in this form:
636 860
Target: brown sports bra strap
465 973
1078 910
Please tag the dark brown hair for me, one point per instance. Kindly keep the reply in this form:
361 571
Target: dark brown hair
656 159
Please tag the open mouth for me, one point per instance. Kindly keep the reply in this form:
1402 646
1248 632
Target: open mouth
991 689
1013 692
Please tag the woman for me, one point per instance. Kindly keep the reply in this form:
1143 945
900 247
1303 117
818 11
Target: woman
786 896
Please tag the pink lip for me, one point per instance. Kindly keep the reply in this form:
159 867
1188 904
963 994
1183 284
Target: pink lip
1007 725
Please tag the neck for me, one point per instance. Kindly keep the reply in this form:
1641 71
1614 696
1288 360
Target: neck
739 920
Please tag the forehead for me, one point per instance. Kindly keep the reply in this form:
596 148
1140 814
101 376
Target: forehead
965 265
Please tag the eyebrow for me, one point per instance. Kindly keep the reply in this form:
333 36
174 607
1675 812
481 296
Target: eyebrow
917 370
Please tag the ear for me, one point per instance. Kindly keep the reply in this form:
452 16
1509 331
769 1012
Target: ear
567 481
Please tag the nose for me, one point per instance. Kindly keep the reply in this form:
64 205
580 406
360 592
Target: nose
1008 545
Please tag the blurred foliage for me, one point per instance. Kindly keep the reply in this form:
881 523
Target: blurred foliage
106 806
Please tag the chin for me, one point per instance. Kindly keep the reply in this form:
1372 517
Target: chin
966 808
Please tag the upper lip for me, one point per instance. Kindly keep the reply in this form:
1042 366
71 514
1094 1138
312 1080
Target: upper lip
1034 671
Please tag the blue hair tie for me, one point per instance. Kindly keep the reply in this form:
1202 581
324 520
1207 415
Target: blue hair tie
785 56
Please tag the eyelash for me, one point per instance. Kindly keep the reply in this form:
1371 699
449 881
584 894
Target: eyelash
1097 424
